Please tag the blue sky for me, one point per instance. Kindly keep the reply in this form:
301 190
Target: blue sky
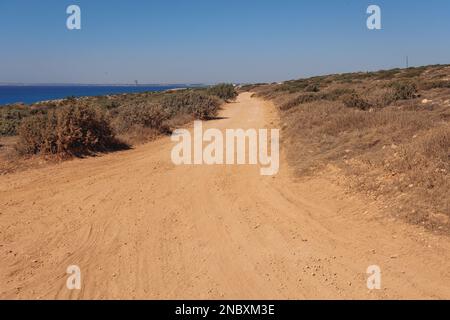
208 41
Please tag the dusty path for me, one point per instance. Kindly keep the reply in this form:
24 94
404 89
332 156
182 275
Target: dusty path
139 227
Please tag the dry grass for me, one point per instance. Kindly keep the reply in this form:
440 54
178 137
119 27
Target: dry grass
389 132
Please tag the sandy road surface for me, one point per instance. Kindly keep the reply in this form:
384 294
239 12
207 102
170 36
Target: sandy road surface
140 227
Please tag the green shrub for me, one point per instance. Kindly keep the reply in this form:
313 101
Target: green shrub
386 74
412 72
112 105
336 94
351 77
304 98
355 101
293 86
250 87
223 91
313 87
311 97
143 115
10 119
200 105
404 90
442 84
70 130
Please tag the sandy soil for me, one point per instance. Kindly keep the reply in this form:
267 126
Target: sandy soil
140 227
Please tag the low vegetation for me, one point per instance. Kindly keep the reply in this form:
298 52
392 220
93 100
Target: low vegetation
388 131
223 91
404 90
146 115
202 105
83 126
68 131
10 119
356 101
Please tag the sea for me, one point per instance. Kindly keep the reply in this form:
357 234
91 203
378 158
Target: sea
28 94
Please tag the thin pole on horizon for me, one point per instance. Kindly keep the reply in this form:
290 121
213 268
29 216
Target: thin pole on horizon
407 62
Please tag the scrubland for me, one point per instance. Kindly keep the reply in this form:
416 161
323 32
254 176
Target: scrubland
387 131
78 127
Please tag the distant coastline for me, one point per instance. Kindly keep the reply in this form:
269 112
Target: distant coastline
33 93
24 84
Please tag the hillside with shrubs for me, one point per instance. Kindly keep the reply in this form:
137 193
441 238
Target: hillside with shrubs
387 131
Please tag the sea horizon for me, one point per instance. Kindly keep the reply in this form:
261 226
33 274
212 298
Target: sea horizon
33 93
62 84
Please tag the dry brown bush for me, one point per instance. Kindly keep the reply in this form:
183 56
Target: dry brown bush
71 130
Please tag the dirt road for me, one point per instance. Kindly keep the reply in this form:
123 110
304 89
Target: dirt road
140 227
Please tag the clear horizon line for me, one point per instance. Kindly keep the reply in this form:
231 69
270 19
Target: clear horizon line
97 84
